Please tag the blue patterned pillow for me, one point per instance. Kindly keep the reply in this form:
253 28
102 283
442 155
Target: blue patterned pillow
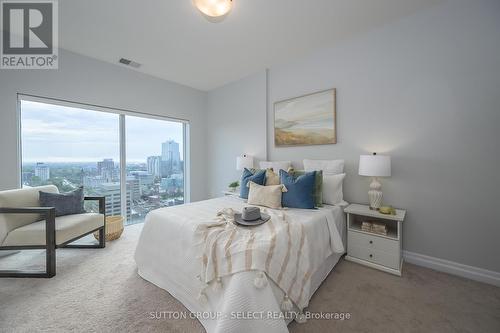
259 177
300 192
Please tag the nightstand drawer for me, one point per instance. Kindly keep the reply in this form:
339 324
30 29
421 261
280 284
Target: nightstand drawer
359 239
377 257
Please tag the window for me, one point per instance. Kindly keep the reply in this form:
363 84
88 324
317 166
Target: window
137 163
155 165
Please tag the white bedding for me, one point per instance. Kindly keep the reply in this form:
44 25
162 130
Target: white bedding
165 256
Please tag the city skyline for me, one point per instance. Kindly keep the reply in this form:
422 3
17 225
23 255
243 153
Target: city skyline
72 147
60 134
144 191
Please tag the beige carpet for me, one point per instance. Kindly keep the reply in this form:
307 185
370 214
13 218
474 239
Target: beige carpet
100 291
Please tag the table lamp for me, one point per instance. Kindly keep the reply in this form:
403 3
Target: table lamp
375 166
244 161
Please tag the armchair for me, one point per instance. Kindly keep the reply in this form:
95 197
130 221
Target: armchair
24 225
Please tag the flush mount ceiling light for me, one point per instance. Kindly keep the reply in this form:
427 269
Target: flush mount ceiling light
214 10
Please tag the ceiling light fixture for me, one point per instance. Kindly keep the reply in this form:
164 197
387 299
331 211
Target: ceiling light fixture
214 10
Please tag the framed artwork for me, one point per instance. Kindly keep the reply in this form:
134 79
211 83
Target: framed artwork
306 120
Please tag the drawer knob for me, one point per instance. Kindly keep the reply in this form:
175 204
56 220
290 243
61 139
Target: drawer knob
371 242
371 255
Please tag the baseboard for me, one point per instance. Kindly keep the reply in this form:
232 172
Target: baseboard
451 267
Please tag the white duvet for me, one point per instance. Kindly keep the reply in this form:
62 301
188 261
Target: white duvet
166 256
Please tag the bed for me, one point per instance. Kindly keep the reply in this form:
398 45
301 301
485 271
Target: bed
166 256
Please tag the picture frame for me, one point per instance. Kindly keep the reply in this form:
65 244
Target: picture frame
306 120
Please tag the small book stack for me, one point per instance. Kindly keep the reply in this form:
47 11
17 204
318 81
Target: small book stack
379 228
374 227
366 226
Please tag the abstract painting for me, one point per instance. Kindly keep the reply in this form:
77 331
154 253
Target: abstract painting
306 120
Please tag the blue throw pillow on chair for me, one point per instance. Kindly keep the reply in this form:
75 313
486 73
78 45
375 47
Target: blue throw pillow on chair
258 177
300 190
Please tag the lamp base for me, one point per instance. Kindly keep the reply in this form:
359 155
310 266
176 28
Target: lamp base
375 194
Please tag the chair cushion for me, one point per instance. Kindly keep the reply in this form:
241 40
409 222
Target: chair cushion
67 227
25 197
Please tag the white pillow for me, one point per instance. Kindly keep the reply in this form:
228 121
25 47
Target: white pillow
332 189
268 196
329 167
276 166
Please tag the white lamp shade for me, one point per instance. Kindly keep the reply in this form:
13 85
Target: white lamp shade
375 165
244 161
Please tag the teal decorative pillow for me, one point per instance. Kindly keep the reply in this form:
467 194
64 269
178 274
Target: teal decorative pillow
299 190
259 177
318 185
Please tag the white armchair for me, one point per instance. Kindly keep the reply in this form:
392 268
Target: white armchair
26 225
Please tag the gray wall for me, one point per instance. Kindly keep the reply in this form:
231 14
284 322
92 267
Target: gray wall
85 80
236 125
425 90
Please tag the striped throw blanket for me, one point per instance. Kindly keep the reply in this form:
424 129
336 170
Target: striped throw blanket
276 249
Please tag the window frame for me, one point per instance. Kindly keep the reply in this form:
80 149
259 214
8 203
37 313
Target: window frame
122 138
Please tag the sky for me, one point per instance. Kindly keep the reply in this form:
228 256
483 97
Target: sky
53 133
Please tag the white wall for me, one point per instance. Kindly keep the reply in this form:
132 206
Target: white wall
425 90
236 121
85 80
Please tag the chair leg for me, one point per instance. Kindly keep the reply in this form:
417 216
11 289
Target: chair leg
50 243
51 260
102 238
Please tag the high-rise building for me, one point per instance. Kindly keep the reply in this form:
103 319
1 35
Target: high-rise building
154 165
170 158
106 169
111 191
42 171
134 187
145 180
170 152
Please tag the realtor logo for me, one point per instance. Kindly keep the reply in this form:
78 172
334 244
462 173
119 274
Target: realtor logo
29 34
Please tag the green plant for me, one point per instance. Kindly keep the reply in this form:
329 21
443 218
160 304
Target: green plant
234 184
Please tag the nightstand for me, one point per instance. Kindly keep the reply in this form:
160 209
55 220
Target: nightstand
383 252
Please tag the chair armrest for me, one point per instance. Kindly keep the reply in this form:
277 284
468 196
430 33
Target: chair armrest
50 220
26 210
102 203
